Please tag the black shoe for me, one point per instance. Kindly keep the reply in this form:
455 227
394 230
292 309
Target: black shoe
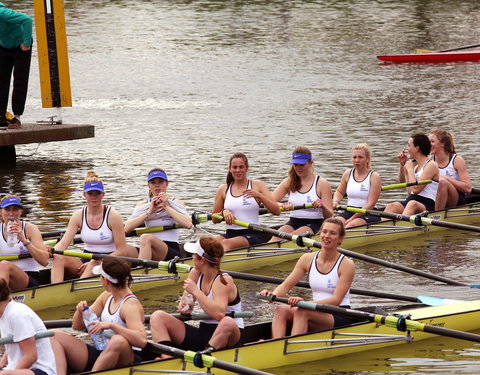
3 122
15 123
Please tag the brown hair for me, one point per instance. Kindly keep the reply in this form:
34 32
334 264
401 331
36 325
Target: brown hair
446 138
92 177
295 184
366 149
214 250
118 269
4 290
336 221
237 155
150 195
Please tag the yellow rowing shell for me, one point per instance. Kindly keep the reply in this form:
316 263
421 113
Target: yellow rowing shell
269 354
70 292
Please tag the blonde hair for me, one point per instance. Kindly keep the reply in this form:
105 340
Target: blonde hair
92 177
366 149
295 183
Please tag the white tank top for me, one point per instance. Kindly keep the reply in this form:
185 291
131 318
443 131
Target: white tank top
97 240
430 190
358 191
297 198
26 264
235 305
115 317
159 219
323 284
244 209
449 170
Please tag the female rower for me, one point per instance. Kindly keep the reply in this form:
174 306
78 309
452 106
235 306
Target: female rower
304 187
216 293
101 230
120 313
421 197
24 272
454 178
27 355
240 199
330 277
362 185
159 210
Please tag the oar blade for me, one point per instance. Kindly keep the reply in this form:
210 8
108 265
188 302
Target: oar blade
434 301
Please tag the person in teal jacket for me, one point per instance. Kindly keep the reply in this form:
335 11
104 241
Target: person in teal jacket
15 55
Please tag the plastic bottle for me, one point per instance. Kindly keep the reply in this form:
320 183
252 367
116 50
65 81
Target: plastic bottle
11 237
189 301
99 340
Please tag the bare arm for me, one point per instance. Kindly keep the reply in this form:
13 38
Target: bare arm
341 189
115 222
430 172
464 184
73 226
260 191
135 222
281 190
219 201
324 191
182 219
36 248
30 354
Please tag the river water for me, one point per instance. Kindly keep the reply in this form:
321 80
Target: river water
184 84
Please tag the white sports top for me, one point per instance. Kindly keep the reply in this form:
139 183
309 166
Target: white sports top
324 284
26 264
115 317
297 198
358 191
159 219
97 240
235 305
430 190
244 209
449 170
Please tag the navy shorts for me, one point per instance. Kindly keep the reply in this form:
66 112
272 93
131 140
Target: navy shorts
196 338
253 237
37 371
427 202
33 280
461 198
173 250
313 224
94 353
368 218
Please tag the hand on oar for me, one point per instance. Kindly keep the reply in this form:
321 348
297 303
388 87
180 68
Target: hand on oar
400 323
170 266
414 219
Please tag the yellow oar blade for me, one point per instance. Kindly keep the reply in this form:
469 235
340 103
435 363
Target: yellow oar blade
423 50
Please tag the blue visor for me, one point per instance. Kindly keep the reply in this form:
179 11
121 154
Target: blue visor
93 186
10 201
299 158
157 174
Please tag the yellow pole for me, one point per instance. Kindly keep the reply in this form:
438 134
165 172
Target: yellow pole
52 53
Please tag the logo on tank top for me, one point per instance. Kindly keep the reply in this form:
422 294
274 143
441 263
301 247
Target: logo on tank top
245 202
103 237
363 188
309 200
330 284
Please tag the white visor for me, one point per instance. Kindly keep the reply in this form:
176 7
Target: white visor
196 248
98 270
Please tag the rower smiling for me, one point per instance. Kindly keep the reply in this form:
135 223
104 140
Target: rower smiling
304 187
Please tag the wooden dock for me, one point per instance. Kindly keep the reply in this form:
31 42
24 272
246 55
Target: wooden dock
39 133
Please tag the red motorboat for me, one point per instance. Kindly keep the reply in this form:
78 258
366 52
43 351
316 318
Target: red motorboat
433 57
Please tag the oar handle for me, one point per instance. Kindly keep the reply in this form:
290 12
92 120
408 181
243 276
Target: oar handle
405 184
39 335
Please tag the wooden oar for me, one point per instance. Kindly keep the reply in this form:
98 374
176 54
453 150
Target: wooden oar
405 184
305 241
388 320
448 50
426 300
169 266
64 323
414 219
202 360
39 335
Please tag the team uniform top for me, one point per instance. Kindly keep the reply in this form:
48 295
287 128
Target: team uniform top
297 198
430 190
235 305
27 264
449 170
358 191
324 284
20 322
244 209
97 240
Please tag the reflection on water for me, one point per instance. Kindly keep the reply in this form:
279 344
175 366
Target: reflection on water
183 84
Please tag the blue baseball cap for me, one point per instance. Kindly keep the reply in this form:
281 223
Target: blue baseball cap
299 158
93 186
11 201
157 174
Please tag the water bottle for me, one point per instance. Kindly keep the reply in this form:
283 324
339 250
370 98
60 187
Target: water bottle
189 301
11 237
99 340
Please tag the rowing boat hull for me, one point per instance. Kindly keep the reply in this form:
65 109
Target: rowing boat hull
433 57
317 346
70 292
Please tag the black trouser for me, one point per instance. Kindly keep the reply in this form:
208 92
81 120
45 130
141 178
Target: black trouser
17 61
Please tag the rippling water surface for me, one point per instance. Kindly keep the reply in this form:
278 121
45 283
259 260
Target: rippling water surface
184 84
